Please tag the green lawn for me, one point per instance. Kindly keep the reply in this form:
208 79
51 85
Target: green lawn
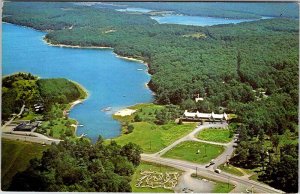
188 151
16 156
153 167
153 138
220 187
215 135
231 169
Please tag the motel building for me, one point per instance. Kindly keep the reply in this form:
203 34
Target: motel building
197 116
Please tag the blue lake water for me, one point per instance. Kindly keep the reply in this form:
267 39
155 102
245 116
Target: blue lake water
197 20
132 9
110 81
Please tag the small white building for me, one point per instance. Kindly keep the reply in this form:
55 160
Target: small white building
199 98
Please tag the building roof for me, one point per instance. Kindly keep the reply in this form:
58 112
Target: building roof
205 115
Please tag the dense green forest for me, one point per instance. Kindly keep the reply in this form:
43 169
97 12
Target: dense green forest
250 69
80 166
23 88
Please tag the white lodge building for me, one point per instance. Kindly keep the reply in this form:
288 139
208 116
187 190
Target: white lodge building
206 116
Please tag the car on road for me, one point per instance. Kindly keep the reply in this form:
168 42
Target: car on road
218 171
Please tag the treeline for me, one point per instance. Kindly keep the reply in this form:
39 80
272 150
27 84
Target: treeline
80 166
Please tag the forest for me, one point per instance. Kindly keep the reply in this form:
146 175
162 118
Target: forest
23 88
250 69
80 166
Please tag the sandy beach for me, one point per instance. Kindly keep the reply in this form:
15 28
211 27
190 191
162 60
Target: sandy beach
125 112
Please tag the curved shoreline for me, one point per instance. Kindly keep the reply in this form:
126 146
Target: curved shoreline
48 42
76 102
71 105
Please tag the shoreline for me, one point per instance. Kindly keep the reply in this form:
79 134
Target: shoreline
73 104
97 47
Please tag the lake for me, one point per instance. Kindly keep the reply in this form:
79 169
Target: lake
197 20
133 9
110 81
188 20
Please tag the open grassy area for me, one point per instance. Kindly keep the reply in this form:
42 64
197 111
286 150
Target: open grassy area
150 136
151 167
153 138
231 169
215 134
16 156
220 187
189 151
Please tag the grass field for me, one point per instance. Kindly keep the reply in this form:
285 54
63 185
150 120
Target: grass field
189 151
215 135
220 187
231 169
16 156
151 137
153 167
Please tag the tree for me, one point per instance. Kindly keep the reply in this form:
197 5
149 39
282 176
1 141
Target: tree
132 152
275 141
130 128
137 118
80 166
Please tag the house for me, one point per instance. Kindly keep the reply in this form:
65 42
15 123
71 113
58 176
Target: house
27 126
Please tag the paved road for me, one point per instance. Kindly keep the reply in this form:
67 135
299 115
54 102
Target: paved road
25 136
242 182
31 137
13 118
224 177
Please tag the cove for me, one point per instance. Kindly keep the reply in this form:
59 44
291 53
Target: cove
111 81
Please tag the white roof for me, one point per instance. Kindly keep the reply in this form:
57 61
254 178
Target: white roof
199 99
205 115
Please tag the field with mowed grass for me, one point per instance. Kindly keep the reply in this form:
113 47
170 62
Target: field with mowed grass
147 166
215 134
188 151
153 138
16 156
146 133
231 169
